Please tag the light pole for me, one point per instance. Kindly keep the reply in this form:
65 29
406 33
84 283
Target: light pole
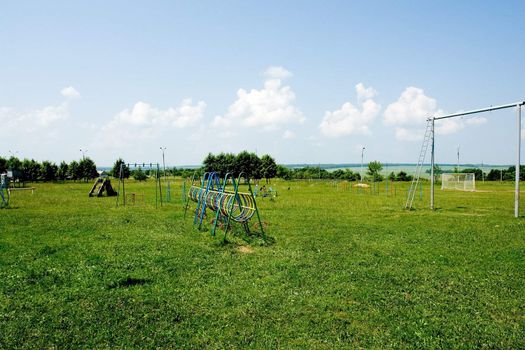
457 167
84 151
163 161
362 155
168 194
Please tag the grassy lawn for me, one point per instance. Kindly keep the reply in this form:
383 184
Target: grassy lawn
344 269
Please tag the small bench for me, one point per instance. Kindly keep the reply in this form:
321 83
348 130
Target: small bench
32 189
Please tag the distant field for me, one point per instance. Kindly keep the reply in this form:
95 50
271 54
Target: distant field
344 268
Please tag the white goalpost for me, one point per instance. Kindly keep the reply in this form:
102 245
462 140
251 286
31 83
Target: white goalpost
458 181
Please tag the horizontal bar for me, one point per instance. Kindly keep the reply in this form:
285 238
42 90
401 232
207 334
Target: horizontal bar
488 109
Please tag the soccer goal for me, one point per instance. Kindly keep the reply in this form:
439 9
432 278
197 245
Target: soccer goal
458 181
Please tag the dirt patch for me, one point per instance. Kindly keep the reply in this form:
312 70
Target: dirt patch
244 249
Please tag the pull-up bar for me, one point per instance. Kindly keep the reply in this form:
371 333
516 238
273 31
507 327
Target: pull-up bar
481 110
517 105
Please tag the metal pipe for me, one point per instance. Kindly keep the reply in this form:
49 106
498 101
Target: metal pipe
481 110
518 161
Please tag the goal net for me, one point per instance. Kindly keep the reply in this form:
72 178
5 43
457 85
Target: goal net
458 181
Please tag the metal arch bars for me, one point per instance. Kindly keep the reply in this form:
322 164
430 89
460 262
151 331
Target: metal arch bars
228 205
149 166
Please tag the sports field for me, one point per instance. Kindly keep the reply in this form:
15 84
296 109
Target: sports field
342 269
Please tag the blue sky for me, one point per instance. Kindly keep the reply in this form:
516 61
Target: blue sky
304 81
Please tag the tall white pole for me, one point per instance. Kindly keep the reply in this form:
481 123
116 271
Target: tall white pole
362 154
432 166
518 161
163 162
457 168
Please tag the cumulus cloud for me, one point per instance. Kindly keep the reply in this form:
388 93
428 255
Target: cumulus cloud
350 119
267 108
410 112
69 92
143 121
412 107
38 118
364 93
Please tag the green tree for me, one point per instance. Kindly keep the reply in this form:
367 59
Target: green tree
511 173
478 173
73 171
62 171
268 167
30 169
392 176
115 171
403 176
210 163
13 163
374 169
139 175
496 174
283 172
3 165
87 169
248 163
48 171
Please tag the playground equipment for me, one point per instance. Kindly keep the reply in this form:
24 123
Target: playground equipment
264 192
429 141
150 167
228 205
101 185
183 192
135 198
4 192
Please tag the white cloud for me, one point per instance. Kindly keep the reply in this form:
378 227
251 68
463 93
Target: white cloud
350 119
364 93
144 121
268 108
412 107
31 120
288 135
69 92
277 72
410 112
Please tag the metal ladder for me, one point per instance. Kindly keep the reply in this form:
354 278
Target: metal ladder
417 174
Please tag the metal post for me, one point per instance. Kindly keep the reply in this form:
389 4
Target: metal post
457 167
163 162
168 194
362 154
432 166
518 161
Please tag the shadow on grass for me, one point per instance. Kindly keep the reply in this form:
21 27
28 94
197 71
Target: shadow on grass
128 282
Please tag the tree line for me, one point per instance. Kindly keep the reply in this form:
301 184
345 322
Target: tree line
508 174
249 163
31 170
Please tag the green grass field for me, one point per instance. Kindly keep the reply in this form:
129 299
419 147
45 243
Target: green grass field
343 269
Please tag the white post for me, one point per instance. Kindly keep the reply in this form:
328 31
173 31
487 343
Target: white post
518 161
362 154
432 166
